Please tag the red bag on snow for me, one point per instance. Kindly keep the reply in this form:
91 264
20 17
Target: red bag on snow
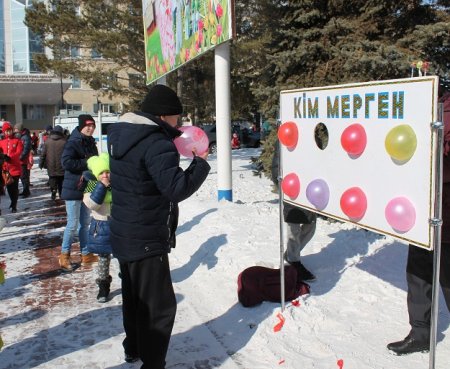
257 284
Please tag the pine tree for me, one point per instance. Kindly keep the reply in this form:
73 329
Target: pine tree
326 42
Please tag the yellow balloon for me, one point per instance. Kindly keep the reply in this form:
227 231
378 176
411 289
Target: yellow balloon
401 142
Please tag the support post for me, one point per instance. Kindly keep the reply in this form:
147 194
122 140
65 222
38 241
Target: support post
436 222
281 206
223 121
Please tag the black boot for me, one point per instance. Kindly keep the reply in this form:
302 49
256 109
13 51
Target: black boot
408 346
53 194
103 289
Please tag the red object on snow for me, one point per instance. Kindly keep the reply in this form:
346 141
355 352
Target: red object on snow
340 363
295 303
280 324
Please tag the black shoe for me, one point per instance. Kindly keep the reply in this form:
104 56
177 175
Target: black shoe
103 289
303 274
53 195
130 358
13 210
25 194
408 346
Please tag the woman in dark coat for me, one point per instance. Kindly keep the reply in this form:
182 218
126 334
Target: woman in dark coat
50 159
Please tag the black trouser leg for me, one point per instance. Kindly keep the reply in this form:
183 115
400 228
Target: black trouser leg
13 192
149 308
419 276
25 179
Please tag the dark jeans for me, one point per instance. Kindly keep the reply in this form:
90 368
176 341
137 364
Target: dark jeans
419 277
25 178
55 183
149 308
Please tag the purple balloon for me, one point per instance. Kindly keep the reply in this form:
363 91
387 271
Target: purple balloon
318 193
400 214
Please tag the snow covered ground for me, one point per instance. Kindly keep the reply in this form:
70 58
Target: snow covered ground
356 306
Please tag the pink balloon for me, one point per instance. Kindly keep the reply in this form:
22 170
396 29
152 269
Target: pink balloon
354 203
291 185
192 138
400 214
354 139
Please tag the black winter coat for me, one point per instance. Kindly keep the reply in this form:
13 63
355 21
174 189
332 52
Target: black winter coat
26 140
147 185
50 157
78 149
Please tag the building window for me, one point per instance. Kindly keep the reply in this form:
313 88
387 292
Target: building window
135 80
76 82
3 112
35 47
19 38
96 55
74 52
2 39
111 81
106 108
74 107
33 112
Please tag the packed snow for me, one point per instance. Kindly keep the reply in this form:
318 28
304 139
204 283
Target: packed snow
355 307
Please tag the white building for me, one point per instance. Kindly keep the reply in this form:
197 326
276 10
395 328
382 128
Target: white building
26 95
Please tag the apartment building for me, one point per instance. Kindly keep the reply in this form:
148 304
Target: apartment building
29 96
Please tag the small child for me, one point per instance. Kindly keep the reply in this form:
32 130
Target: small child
97 197
235 143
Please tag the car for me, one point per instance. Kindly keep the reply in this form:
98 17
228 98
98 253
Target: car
247 137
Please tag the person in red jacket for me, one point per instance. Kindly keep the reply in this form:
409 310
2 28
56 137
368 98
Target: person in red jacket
12 147
235 143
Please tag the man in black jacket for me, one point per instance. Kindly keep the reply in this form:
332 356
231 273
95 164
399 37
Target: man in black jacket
147 185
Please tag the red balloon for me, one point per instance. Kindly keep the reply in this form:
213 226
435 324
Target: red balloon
354 139
354 203
288 134
291 185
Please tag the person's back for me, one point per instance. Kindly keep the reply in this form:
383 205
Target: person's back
147 184
50 158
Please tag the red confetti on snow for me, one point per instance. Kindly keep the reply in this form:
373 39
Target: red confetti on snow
280 324
295 302
340 363
281 362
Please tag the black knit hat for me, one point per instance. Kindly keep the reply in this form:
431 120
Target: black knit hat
84 120
162 100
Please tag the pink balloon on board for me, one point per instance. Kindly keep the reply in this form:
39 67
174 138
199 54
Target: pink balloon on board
291 185
354 203
400 214
288 134
192 138
354 139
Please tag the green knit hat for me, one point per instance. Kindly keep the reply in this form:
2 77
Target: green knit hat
98 164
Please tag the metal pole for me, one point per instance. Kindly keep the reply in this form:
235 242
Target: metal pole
99 125
436 222
223 121
281 205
